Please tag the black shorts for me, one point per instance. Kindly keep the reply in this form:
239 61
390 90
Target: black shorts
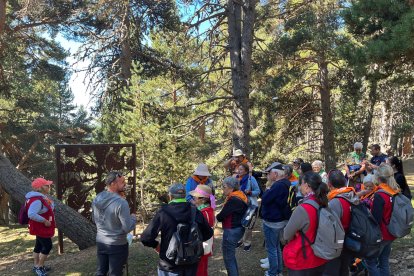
43 245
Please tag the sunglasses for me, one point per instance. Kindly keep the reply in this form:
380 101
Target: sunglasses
113 176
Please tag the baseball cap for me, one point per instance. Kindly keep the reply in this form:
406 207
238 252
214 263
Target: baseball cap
274 165
177 190
40 182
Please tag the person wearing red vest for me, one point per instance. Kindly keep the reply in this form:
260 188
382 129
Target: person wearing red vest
340 200
298 256
381 211
206 203
41 222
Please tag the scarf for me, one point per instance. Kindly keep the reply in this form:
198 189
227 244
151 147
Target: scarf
199 180
369 194
238 194
244 180
178 200
387 189
332 194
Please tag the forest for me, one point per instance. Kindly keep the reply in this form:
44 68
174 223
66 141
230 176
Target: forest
188 82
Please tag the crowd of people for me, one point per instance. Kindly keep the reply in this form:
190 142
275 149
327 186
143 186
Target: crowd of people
290 204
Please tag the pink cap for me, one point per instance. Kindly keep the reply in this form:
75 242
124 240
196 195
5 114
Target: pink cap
40 182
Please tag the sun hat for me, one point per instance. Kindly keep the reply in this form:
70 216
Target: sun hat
202 170
177 190
206 192
275 166
238 152
40 182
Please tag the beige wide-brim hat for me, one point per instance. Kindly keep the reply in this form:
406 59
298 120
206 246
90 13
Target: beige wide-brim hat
206 191
202 170
238 152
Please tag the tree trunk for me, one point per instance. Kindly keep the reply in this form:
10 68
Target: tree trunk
126 55
3 4
241 18
77 228
327 122
370 113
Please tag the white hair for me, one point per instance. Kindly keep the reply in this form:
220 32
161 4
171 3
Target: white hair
317 163
358 145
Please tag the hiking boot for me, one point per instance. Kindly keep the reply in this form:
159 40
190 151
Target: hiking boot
40 271
239 244
247 247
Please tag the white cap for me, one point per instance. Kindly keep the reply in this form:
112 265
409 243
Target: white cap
238 152
202 170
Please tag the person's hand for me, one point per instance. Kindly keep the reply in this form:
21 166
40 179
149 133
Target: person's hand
47 223
248 192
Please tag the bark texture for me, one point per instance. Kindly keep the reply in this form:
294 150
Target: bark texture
327 121
241 17
77 228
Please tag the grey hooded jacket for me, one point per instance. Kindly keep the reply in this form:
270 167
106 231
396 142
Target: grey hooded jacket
112 218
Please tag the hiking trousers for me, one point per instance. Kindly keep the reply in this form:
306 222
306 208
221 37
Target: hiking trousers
111 259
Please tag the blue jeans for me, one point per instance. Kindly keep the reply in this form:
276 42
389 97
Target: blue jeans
380 266
274 253
230 239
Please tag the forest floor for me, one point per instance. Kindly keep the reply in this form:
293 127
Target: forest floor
16 257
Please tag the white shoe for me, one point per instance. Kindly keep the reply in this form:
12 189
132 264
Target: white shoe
265 266
265 260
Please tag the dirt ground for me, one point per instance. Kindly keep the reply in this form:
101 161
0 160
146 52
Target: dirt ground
142 261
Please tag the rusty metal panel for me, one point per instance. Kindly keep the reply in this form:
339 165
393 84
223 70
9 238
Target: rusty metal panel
81 172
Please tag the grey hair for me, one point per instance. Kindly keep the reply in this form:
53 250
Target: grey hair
358 145
280 173
385 174
232 183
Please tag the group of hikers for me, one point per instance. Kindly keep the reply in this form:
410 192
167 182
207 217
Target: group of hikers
314 222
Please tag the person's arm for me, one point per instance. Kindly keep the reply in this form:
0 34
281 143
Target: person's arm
229 207
298 221
254 187
188 188
377 207
127 220
34 209
148 237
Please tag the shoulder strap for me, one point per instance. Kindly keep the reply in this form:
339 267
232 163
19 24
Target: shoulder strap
42 201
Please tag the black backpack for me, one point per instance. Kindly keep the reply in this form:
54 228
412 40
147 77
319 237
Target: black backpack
186 244
364 236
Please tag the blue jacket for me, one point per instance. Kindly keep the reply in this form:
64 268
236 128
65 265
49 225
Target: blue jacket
275 207
192 184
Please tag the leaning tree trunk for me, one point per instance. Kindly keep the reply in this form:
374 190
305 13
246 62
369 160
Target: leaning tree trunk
370 113
241 17
327 121
77 228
